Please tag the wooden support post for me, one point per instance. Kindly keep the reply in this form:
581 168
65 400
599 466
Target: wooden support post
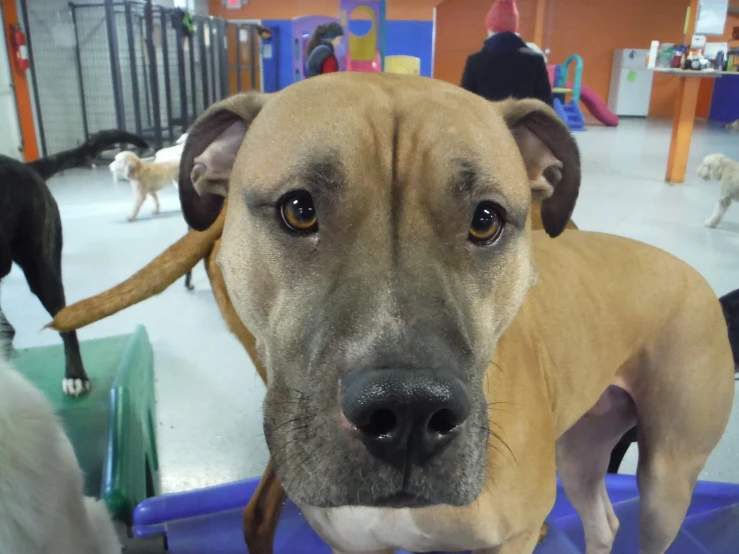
21 87
682 129
684 115
540 23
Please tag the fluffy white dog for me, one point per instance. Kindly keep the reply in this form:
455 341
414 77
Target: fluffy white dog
42 507
169 154
717 167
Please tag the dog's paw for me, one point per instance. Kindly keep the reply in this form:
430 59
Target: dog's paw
130 218
711 222
75 387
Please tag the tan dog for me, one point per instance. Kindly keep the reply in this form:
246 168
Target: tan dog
146 178
430 356
438 349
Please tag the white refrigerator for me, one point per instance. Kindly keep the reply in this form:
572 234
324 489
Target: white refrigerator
631 83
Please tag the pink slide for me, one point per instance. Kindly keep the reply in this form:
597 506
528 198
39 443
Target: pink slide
596 106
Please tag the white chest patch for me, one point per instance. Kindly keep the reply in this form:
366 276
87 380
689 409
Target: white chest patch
354 529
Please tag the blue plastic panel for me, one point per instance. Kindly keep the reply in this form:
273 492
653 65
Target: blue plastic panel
209 521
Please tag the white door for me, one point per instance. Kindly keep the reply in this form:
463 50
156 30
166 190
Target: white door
10 135
634 93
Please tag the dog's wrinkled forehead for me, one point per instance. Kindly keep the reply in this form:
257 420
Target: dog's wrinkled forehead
420 136
412 133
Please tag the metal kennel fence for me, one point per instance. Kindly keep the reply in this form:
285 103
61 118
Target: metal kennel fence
132 65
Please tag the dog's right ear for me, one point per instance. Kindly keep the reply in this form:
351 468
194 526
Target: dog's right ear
551 157
209 154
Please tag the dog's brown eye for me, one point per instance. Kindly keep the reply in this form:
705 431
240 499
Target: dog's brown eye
487 223
299 213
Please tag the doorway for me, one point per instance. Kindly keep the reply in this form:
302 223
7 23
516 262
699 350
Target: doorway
244 47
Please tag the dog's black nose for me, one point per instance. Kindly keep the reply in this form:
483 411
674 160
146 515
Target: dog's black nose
404 416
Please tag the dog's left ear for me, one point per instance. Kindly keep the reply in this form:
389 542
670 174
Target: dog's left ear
551 157
209 155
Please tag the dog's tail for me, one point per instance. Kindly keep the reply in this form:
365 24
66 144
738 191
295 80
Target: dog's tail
106 539
85 152
152 279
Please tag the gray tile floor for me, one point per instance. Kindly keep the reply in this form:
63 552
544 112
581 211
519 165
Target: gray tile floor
208 394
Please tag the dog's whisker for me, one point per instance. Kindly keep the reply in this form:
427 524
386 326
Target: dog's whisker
499 438
300 393
293 420
277 452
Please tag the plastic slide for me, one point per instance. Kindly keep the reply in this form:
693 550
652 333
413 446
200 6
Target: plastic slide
596 106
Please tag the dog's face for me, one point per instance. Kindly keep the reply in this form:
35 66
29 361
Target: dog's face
125 164
377 245
712 167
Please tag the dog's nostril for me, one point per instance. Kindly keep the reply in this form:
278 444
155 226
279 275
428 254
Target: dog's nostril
381 423
442 422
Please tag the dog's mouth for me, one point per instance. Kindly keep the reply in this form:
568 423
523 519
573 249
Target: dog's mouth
402 499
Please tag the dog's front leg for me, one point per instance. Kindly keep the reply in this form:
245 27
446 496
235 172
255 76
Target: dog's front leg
718 212
138 201
521 544
155 198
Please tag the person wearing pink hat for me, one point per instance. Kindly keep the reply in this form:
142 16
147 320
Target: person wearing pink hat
506 66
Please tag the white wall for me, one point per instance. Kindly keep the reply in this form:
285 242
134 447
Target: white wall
10 138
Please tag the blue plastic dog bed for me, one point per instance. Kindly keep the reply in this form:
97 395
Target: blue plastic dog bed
209 521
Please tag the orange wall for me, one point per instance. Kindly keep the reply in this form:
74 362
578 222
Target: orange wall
418 10
625 24
591 28
460 30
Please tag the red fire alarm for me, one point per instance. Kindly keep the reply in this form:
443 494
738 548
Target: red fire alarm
235 4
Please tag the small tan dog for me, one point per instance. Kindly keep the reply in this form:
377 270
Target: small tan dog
717 167
146 178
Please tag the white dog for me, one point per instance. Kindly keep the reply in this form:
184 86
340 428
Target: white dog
718 167
42 507
146 178
169 154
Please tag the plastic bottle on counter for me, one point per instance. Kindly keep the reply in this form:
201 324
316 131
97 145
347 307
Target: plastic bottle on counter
653 51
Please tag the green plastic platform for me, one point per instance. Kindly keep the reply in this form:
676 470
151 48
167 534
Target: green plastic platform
112 427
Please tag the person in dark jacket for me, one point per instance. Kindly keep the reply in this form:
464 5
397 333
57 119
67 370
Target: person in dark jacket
320 54
506 66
